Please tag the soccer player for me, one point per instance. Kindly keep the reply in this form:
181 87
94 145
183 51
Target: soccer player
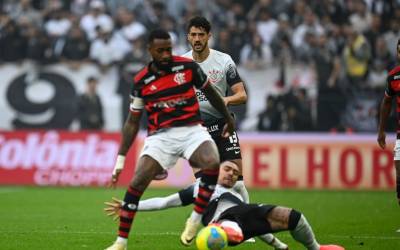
165 89
240 220
392 90
223 75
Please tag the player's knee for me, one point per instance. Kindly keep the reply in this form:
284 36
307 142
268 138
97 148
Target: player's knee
210 162
294 218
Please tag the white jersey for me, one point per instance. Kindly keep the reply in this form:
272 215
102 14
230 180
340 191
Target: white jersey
222 73
219 190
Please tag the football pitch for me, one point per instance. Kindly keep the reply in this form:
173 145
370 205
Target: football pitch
73 218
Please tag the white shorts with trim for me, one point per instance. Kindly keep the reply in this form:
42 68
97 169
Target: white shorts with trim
396 151
167 146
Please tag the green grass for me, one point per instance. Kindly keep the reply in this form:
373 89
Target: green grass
72 218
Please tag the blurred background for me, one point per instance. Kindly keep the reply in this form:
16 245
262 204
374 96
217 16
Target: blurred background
315 72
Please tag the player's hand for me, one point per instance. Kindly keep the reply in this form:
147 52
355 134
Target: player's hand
229 128
119 166
113 208
382 140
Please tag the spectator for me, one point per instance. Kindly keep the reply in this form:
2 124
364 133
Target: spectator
391 37
23 12
255 55
310 26
76 48
58 24
266 26
96 20
330 101
38 45
270 119
90 108
361 19
12 44
108 49
298 110
356 54
130 28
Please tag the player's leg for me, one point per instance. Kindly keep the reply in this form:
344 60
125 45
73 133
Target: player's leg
282 218
206 158
146 169
397 166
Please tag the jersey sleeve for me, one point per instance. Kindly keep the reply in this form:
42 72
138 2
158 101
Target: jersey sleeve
137 103
389 91
231 73
200 79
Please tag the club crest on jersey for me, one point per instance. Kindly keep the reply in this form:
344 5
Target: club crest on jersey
180 78
214 75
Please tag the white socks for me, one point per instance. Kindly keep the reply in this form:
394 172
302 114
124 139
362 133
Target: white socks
303 233
195 217
271 240
122 240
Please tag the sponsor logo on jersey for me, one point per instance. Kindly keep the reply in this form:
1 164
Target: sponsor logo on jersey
180 78
396 77
170 103
149 79
213 128
177 68
152 87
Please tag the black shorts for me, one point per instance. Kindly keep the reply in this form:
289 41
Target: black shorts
228 148
187 195
251 218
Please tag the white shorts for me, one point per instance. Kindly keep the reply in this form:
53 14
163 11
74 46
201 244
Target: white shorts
166 147
396 151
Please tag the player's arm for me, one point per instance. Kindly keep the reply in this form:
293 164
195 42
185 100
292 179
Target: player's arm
235 83
385 109
129 133
182 198
239 95
218 103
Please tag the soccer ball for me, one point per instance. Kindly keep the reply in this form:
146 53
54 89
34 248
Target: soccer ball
211 237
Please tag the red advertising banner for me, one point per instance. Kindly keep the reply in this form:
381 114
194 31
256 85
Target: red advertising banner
315 161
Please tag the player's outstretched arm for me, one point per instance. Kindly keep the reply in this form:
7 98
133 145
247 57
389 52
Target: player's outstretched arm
113 207
160 203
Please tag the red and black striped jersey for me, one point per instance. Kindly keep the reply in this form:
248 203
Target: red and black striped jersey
169 99
393 90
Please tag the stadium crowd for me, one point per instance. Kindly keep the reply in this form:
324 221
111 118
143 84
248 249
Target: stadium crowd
348 45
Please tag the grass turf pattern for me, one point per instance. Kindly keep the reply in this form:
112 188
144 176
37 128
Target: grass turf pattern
73 218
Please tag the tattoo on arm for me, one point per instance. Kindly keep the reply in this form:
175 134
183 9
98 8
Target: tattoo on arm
129 132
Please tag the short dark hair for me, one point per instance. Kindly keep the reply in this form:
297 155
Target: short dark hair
199 22
158 34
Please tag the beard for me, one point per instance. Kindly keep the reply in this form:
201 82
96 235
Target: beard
200 48
164 66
